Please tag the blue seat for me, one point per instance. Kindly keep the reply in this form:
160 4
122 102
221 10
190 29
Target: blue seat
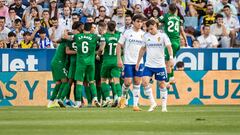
191 21
189 40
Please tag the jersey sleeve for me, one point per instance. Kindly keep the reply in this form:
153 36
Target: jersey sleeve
161 19
144 40
166 40
122 38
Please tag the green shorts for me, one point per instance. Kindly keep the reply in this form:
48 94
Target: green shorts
58 70
72 68
110 71
83 71
175 48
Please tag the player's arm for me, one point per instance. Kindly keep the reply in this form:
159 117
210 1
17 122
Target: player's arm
119 49
140 55
70 52
102 46
182 32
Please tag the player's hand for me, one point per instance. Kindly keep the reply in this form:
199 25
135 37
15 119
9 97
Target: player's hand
120 63
97 58
137 67
171 63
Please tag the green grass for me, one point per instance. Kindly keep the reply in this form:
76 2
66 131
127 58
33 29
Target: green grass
180 120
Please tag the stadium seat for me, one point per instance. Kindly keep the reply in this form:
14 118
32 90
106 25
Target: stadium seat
189 40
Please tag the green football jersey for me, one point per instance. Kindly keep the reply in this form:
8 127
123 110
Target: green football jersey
86 48
171 25
60 54
111 41
72 46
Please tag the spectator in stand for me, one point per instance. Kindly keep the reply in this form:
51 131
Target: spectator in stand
232 23
107 19
12 38
15 46
3 30
219 7
137 9
183 43
18 29
56 31
149 9
110 5
196 8
33 3
12 17
181 4
207 40
220 30
19 7
66 19
126 10
209 18
180 66
128 24
102 14
35 45
44 41
75 17
45 21
3 9
2 44
195 43
29 18
156 13
26 42
119 18
34 30
53 9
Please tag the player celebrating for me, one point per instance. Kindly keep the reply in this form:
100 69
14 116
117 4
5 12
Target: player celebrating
172 27
109 67
131 41
86 45
155 43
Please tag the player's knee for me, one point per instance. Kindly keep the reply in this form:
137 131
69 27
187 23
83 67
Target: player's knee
79 83
92 82
58 82
162 85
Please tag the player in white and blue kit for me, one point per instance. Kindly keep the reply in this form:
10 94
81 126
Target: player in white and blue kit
131 41
155 43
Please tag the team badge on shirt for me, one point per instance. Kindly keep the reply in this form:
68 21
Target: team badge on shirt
158 39
148 39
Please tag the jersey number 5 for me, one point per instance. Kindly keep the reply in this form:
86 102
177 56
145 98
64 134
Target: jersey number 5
173 27
84 47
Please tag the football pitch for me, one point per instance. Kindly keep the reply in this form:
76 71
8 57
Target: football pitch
179 120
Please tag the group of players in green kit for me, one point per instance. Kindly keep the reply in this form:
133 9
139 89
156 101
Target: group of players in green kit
80 52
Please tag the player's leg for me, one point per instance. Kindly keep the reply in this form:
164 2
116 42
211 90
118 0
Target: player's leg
51 103
98 80
106 92
90 78
161 76
136 86
79 76
147 75
115 74
128 75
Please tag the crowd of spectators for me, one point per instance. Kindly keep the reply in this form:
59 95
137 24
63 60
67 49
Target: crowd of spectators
41 23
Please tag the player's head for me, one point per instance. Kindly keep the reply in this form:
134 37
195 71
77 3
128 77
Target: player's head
102 27
172 8
76 27
180 66
138 21
152 26
87 27
111 26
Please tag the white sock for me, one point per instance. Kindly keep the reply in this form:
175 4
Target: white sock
108 98
124 90
149 93
67 100
136 91
164 94
50 102
95 99
115 97
78 103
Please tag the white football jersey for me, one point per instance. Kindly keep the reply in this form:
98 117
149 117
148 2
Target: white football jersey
155 45
132 42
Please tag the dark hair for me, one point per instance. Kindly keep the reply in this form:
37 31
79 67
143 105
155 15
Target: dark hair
41 31
36 9
150 22
127 15
18 21
206 26
111 26
102 24
209 5
107 17
180 64
156 8
54 18
218 16
172 8
27 33
37 20
87 26
75 14
11 9
226 6
139 17
76 25
2 18
55 11
12 34
46 11
102 7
